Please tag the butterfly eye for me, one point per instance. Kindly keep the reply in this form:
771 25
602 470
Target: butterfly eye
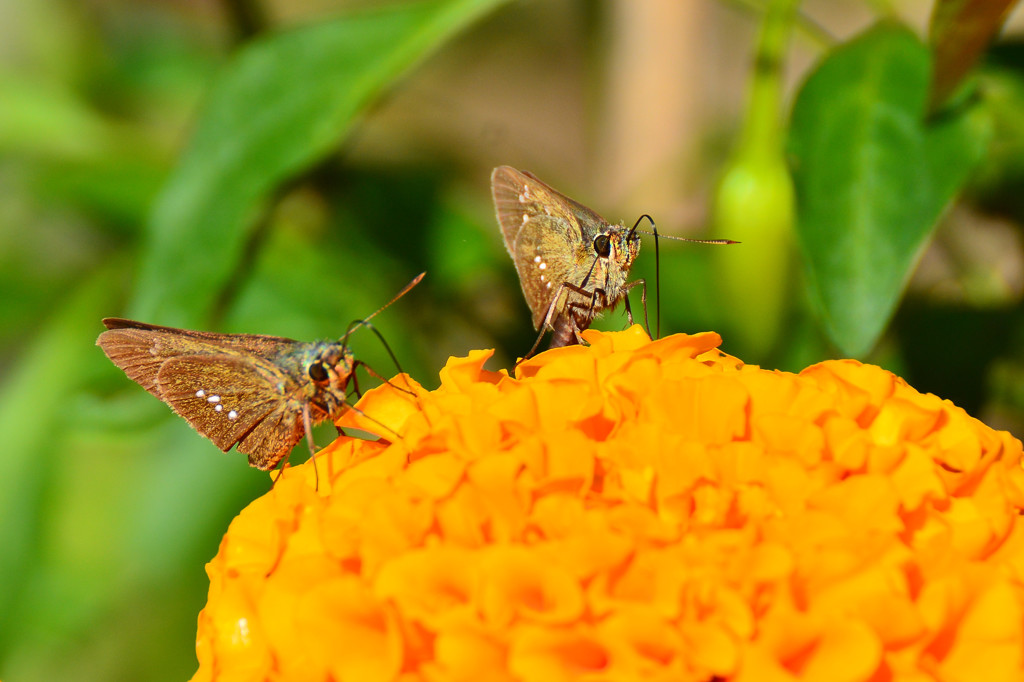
317 372
603 245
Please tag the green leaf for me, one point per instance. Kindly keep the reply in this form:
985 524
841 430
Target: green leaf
281 105
872 177
59 362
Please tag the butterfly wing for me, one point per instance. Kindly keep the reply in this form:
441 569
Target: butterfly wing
132 351
234 400
171 341
547 254
519 196
273 438
140 349
547 234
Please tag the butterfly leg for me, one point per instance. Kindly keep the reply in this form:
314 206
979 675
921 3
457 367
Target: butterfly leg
375 421
280 472
307 424
643 301
536 343
376 375
580 314
548 323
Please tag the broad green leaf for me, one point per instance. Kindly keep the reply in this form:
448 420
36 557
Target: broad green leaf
960 31
281 104
57 363
872 177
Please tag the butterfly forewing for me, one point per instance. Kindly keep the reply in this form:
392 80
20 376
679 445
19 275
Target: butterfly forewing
519 196
168 342
132 351
545 241
261 420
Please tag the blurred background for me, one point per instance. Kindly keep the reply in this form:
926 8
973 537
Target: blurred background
151 167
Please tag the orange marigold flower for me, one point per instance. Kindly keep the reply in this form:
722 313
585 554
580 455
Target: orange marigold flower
633 510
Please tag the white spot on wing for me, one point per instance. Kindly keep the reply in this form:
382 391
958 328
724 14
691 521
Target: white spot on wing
536 259
218 407
548 285
200 393
543 266
232 415
213 399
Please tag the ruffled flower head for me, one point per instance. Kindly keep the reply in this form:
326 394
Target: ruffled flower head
633 510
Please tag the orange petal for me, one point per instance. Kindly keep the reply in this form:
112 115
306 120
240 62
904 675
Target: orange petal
559 655
231 638
348 630
429 584
605 343
385 410
847 652
677 346
651 642
461 373
469 653
514 586
988 641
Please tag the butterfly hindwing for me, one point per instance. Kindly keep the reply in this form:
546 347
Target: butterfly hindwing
272 438
224 397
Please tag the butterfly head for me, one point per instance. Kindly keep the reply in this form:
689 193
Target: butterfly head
328 370
611 252
623 246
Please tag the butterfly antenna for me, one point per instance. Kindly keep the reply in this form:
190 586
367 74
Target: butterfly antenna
391 354
657 272
687 239
365 321
657 258
637 224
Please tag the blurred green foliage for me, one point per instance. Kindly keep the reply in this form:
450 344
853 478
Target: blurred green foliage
285 169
